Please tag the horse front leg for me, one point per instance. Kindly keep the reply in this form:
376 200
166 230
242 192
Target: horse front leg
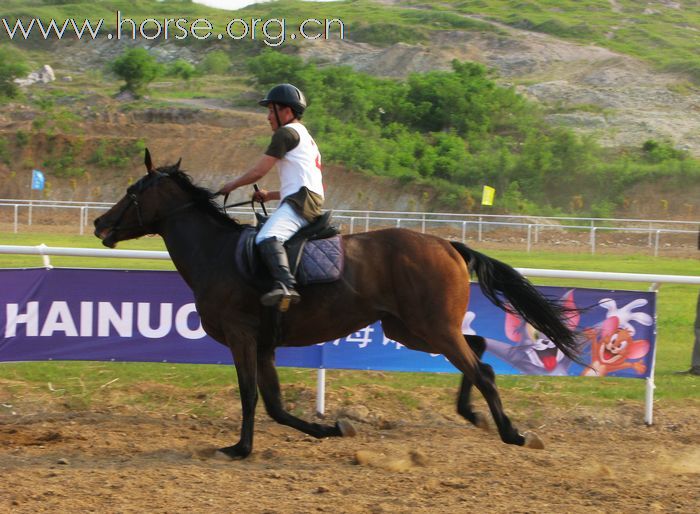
268 382
245 357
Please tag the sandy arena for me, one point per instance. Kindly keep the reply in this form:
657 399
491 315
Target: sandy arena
118 458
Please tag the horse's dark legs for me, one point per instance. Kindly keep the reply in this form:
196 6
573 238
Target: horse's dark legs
269 385
464 407
244 356
477 373
486 383
455 348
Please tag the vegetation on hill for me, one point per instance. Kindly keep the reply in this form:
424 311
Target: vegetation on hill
458 130
455 130
666 34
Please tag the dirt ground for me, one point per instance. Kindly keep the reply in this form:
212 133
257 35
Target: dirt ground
418 458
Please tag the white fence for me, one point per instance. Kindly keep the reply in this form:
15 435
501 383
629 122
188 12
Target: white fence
655 280
654 234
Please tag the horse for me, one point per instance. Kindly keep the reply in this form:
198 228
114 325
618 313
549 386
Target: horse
416 284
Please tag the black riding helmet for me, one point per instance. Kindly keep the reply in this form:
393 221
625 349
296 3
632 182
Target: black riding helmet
286 94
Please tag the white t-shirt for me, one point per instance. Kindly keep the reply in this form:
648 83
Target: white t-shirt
301 166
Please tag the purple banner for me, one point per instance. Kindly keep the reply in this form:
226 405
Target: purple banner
149 316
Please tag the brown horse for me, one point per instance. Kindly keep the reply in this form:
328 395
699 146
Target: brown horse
416 284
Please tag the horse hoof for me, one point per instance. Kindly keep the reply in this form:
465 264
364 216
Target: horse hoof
532 440
346 428
234 452
219 455
481 422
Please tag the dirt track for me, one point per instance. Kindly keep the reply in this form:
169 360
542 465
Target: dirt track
421 459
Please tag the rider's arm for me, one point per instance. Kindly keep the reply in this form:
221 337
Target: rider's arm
264 195
255 173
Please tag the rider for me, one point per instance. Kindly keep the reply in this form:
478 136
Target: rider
301 187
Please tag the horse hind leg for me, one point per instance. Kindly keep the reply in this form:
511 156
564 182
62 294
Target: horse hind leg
464 406
457 350
486 383
268 383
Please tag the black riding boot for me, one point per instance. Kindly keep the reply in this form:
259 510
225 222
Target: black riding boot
275 257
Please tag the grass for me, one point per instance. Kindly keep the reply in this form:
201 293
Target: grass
174 387
665 37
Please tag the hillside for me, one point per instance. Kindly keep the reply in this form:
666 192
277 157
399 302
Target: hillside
620 100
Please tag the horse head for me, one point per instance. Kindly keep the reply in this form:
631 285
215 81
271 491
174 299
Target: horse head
146 203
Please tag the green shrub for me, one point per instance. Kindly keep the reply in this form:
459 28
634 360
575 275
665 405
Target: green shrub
181 68
12 66
216 62
137 68
458 130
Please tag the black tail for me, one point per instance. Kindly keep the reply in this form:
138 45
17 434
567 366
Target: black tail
512 292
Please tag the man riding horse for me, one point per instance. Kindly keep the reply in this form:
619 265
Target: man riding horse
301 187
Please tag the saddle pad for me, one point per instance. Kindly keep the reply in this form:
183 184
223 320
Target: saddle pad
322 261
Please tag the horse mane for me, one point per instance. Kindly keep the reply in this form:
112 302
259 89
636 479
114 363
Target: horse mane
202 197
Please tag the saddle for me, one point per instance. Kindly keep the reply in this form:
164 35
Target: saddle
315 253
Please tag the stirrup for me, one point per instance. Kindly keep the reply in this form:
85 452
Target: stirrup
281 296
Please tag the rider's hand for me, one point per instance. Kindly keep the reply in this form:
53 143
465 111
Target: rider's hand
261 196
225 189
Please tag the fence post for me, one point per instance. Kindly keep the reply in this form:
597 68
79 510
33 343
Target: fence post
16 217
650 385
45 258
656 243
423 224
593 231
321 392
464 231
529 235
367 222
479 236
352 224
83 220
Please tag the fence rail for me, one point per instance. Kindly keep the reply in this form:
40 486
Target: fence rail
528 230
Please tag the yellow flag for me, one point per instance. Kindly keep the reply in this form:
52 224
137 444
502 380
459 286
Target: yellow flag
487 197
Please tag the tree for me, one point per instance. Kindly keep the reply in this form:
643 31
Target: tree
12 66
137 68
215 63
181 68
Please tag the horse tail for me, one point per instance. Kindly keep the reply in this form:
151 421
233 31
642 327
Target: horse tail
512 292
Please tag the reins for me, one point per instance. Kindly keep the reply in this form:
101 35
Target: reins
246 202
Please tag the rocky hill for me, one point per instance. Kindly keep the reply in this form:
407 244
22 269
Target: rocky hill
620 100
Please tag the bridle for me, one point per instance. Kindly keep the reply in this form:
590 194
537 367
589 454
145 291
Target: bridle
133 193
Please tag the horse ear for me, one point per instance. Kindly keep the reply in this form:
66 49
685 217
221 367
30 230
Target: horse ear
148 162
177 165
